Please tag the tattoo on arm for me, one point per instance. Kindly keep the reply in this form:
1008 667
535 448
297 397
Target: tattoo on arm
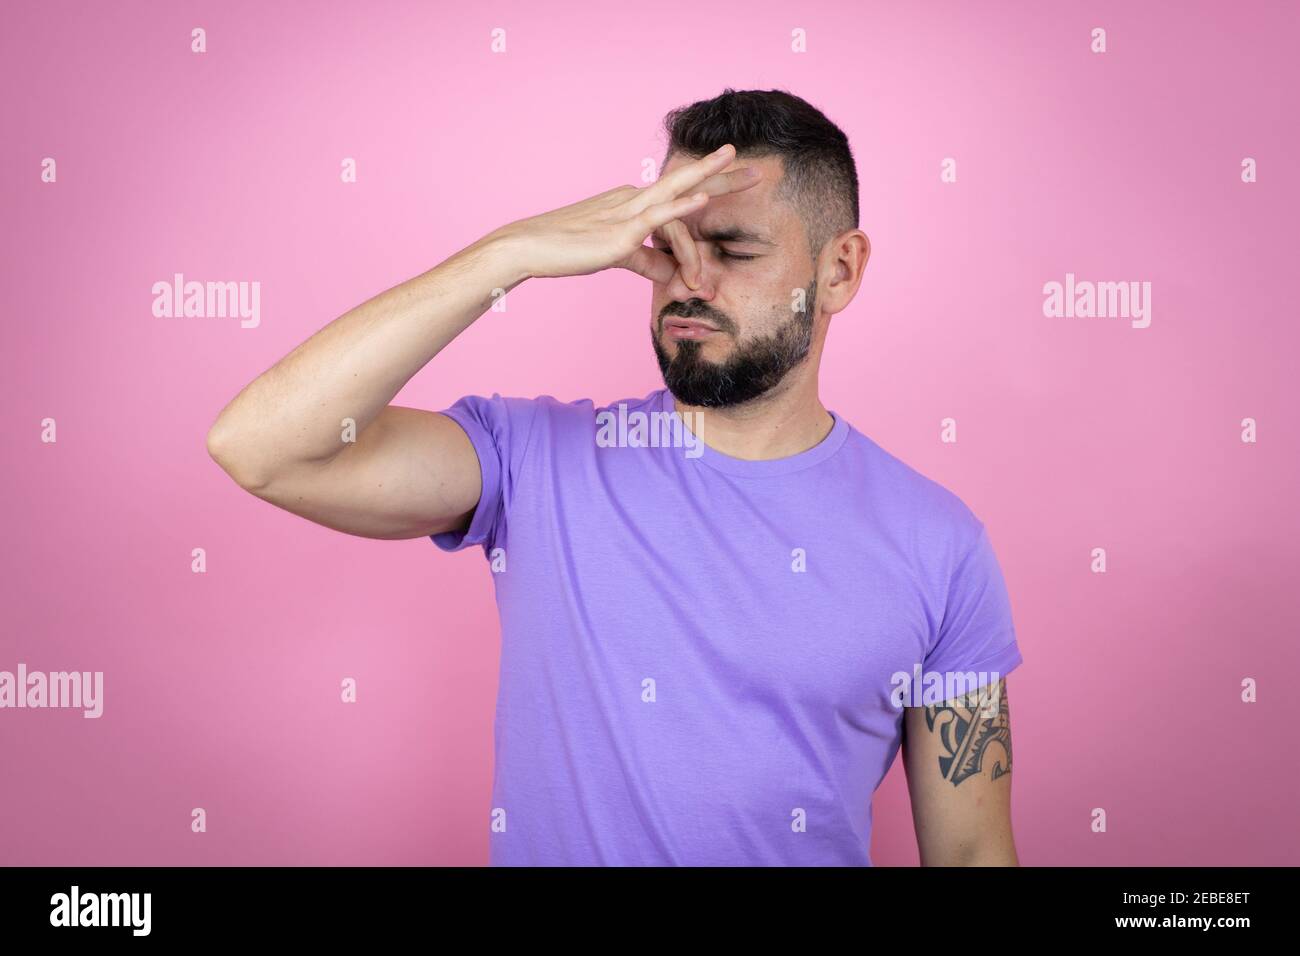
974 734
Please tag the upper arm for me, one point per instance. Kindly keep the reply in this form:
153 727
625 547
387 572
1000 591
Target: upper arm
957 758
408 474
957 754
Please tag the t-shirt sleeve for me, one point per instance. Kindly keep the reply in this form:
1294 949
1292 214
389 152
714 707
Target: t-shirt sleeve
498 428
977 632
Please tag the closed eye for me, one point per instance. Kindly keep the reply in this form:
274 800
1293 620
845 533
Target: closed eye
722 252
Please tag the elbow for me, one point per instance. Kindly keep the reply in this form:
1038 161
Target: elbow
231 453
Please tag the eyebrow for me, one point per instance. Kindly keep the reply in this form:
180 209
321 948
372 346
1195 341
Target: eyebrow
734 234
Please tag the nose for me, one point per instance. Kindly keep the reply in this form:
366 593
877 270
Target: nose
679 290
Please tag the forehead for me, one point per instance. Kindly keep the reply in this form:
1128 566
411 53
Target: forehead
757 208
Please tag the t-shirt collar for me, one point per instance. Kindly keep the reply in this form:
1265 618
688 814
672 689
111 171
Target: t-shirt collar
768 466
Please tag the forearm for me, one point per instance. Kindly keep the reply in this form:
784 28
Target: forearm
352 368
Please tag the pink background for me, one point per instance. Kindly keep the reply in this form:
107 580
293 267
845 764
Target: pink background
222 689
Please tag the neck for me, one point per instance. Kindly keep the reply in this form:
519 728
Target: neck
785 421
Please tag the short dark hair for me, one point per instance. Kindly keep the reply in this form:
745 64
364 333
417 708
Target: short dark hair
820 179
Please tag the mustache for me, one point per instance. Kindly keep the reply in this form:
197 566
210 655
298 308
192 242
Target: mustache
695 309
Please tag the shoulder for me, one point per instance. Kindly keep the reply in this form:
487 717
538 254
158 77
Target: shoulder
519 417
587 414
935 518
519 409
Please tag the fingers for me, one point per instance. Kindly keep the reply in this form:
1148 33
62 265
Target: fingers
665 219
687 177
735 181
663 213
684 251
654 264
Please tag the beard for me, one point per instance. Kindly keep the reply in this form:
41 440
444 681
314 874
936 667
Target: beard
753 368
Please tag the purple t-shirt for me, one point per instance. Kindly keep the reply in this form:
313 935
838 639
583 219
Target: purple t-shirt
700 655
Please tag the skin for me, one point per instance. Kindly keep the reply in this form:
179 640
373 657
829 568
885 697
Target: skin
961 809
411 472
751 298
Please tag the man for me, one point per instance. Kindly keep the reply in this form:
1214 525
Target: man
723 608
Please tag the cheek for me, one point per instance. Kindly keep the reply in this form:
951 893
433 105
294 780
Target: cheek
783 287
757 307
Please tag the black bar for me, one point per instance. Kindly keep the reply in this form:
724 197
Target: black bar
896 909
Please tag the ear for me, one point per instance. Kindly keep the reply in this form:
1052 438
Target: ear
842 262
